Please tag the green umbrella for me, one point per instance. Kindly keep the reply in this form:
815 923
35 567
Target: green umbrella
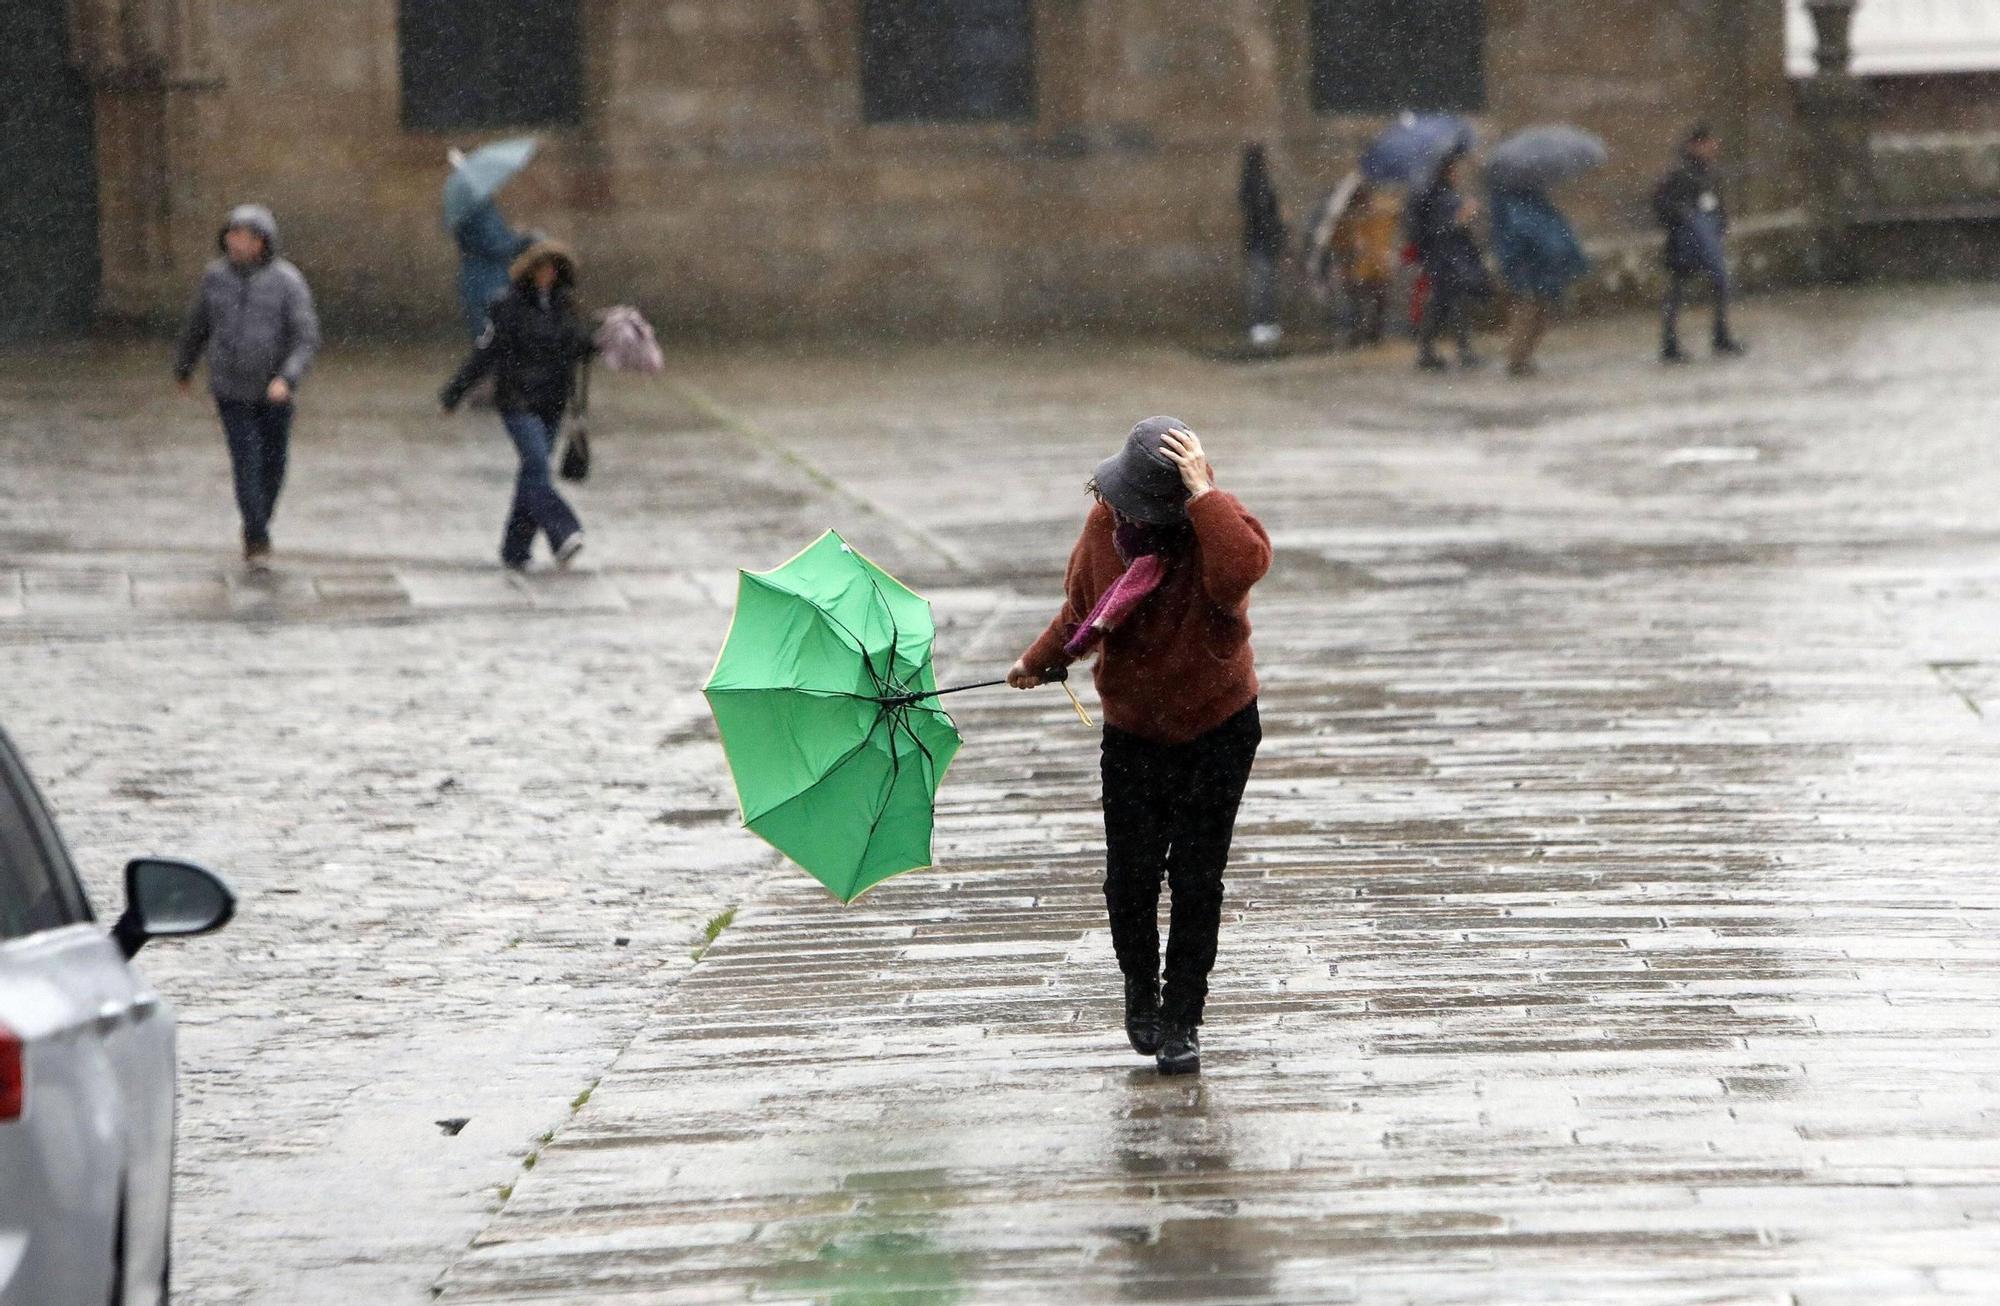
825 698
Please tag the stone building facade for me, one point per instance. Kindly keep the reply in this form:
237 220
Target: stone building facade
767 166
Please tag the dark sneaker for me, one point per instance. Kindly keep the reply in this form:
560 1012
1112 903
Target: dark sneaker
1142 1014
257 557
1729 347
1430 363
1672 355
1180 1050
519 566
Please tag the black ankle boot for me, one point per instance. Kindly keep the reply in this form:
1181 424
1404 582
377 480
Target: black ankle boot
1142 1014
1180 1050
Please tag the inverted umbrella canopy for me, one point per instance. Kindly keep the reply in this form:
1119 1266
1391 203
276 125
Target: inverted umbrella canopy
1412 145
481 174
824 695
1537 158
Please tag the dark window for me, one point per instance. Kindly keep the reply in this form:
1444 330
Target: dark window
947 60
38 891
1383 56
469 65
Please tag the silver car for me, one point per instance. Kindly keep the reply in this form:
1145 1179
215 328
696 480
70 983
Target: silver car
86 1066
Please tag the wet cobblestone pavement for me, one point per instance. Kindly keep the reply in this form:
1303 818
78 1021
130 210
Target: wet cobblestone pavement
1611 920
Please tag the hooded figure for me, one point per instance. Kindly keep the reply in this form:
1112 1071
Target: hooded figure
255 318
533 341
253 315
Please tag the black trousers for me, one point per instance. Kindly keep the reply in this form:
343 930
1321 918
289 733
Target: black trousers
1448 308
260 436
1717 277
1169 813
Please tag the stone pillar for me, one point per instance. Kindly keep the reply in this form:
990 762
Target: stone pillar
152 67
1837 115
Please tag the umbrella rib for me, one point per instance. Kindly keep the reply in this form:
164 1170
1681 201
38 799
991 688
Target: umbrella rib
860 646
895 635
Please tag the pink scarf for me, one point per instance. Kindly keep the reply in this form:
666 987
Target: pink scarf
1143 551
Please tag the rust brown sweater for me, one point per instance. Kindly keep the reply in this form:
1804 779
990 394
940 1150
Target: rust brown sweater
1181 664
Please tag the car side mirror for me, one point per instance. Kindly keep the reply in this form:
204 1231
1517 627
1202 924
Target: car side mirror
166 900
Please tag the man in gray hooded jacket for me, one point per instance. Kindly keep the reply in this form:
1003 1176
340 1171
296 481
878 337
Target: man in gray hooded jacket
254 315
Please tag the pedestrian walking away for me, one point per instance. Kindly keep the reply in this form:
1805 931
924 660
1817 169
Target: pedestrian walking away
1539 260
533 341
1688 204
1439 223
1263 246
253 316
1158 589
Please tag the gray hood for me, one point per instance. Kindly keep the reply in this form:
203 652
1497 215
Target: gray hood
259 219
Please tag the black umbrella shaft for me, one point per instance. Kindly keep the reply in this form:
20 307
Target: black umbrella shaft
904 700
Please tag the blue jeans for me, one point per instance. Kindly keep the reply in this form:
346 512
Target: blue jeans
537 507
260 437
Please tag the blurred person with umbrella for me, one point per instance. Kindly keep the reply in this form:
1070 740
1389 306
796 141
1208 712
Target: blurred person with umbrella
1439 221
1365 250
1263 245
1533 242
1688 204
486 244
1158 588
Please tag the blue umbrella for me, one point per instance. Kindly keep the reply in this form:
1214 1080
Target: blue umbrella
1540 157
1412 146
480 174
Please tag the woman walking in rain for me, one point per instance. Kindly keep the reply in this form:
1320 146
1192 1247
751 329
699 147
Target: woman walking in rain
1158 588
1263 246
1539 258
533 341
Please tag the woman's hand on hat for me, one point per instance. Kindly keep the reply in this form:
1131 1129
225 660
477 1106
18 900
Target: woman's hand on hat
1021 676
1183 450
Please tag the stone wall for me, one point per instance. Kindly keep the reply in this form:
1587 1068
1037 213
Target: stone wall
723 178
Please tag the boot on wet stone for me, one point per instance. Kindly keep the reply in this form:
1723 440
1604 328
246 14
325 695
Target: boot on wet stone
1142 1014
1180 1050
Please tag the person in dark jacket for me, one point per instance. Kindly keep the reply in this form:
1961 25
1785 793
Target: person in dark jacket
533 341
1158 589
1263 245
1440 223
1688 203
253 315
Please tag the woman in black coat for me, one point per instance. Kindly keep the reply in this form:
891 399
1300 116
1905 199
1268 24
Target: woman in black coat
1440 223
533 341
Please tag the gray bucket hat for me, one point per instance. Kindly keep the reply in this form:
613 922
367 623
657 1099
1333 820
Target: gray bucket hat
1140 482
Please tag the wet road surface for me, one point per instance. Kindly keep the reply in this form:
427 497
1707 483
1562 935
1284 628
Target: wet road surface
1612 912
